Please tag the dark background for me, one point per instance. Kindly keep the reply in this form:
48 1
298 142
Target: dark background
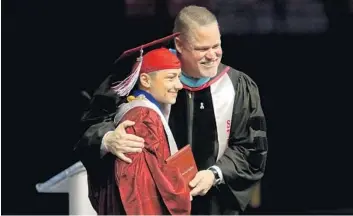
53 50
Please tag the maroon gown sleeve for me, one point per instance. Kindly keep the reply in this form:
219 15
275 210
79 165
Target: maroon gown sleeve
148 185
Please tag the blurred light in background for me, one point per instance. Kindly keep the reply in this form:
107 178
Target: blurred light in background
249 16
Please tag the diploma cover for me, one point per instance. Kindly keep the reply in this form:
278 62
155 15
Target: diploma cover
184 160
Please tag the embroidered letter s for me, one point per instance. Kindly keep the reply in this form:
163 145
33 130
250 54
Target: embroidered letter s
228 126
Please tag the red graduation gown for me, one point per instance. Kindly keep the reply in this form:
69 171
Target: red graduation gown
148 185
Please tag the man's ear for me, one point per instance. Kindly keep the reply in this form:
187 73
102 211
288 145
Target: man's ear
145 80
178 44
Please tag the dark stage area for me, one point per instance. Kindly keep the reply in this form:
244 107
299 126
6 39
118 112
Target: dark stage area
54 50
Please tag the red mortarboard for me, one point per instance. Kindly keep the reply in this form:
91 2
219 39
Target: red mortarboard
157 59
141 47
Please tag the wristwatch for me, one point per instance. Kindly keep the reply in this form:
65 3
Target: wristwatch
216 175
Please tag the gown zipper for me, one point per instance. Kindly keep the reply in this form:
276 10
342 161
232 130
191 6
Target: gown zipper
190 113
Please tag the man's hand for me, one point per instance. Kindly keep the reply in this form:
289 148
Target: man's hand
118 142
202 183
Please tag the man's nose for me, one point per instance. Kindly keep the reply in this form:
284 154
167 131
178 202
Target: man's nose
211 54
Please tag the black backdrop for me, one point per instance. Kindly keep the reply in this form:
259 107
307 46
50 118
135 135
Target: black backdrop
53 50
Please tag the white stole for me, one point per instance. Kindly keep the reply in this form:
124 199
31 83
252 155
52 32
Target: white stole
223 94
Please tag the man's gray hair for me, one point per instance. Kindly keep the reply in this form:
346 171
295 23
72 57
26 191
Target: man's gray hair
191 17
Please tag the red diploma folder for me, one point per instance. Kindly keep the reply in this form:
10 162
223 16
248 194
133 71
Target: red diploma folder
184 160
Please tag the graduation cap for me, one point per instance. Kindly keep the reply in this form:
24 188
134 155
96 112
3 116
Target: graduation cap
154 60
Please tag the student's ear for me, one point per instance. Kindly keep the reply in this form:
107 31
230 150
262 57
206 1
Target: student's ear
145 80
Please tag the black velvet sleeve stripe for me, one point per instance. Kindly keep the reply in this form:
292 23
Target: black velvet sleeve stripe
258 123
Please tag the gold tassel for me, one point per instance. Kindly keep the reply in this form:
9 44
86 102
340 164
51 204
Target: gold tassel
130 98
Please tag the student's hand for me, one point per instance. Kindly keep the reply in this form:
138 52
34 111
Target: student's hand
202 183
118 142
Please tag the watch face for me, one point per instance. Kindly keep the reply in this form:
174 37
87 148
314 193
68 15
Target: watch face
215 173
